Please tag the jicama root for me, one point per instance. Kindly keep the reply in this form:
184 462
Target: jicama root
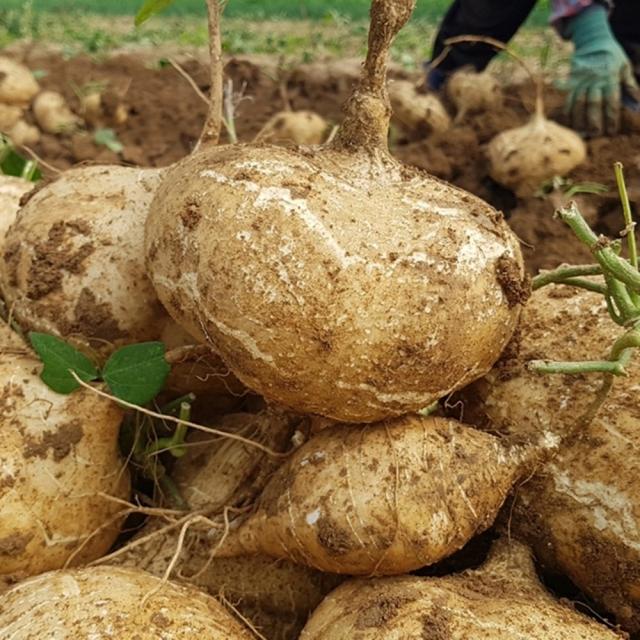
346 310
579 512
381 499
23 134
17 84
502 600
59 463
472 92
53 115
297 127
9 116
524 158
73 262
11 191
110 602
420 114
276 596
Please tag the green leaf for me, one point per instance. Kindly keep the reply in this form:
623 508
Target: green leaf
59 359
150 8
137 373
108 138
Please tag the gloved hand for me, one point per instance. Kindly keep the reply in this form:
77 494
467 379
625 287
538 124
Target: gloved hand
600 69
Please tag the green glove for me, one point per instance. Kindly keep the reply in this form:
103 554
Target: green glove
599 69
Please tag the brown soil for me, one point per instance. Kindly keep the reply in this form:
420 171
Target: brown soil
165 116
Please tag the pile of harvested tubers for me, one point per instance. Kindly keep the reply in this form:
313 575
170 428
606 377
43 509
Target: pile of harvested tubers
302 472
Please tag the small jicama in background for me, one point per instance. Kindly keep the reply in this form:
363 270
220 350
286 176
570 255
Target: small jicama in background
232 392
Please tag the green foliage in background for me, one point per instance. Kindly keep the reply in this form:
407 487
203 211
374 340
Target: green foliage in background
251 9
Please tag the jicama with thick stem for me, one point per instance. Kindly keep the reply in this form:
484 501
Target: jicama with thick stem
501 600
336 281
110 602
525 157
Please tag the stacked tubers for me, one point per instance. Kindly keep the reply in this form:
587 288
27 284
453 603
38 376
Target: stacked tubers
579 512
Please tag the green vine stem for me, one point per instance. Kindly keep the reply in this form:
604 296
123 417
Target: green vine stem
628 217
620 287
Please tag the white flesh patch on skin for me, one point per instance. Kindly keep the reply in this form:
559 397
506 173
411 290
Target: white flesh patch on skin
313 517
611 510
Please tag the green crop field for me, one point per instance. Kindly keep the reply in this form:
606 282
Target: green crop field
250 9
299 30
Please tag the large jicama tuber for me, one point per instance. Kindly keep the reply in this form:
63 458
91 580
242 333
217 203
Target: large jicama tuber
110 602
580 512
335 280
502 600
381 499
73 263
59 464
17 84
419 114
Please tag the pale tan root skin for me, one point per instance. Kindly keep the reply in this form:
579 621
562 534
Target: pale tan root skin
17 84
111 602
580 512
276 596
73 261
502 600
380 499
297 127
420 114
346 310
472 92
11 191
522 159
53 115
57 455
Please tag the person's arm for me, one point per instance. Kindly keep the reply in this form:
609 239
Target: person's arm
494 18
600 68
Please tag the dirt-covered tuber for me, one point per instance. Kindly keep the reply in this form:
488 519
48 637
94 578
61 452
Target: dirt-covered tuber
73 262
580 511
53 115
335 280
380 499
17 84
297 127
59 465
502 600
110 602
419 114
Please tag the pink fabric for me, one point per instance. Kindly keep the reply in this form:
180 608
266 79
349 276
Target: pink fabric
567 8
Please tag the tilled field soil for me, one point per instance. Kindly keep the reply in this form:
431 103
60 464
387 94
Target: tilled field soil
165 115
